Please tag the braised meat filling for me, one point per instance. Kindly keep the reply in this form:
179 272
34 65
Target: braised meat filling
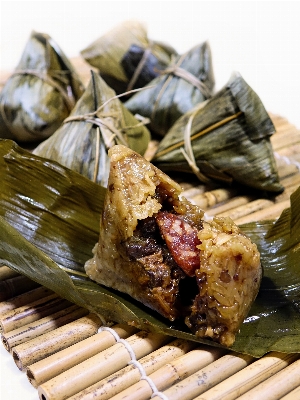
157 247
157 273
165 246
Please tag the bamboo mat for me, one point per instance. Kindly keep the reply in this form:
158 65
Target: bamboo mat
66 353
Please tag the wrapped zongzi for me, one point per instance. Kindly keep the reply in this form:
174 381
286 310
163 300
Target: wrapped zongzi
40 93
187 81
225 139
158 248
126 58
98 121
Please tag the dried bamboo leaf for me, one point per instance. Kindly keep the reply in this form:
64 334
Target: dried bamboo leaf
225 139
42 200
98 121
40 93
188 80
274 321
126 58
45 237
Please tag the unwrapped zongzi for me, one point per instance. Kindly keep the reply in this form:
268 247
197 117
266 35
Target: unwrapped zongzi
225 139
158 248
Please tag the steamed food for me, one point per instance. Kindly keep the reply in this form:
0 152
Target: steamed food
158 248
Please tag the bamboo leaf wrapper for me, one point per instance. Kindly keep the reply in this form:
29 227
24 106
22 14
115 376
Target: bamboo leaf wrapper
49 227
45 201
40 93
126 58
98 121
225 139
188 80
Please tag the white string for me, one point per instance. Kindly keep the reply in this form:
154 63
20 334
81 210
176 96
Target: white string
107 328
144 376
287 160
135 362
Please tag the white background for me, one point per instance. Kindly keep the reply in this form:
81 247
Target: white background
259 39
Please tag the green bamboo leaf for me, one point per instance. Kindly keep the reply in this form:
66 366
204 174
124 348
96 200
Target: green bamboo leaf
277 306
98 121
224 140
40 93
188 81
126 58
51 206
49 225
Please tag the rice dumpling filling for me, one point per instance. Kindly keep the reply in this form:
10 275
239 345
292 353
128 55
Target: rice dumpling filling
228 279
164 246
157 247
168 249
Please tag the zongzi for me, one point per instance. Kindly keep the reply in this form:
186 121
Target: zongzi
40 93
188 81
225 139
98 121
160 250
126 58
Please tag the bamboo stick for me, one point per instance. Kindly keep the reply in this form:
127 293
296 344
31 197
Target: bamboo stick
229 205
193 191
295 158
272 212
279 121
287 151
276 386
281 128
59 362
287 193
24 298
284 129
285 170
151 149
246 209
6 273
207 377
99 366
244 206
44 345
290 181
289 172
291 137
31 312
209 199
171 373
41 326
15 286
294 394
128 376
249 377
186 186
290 151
